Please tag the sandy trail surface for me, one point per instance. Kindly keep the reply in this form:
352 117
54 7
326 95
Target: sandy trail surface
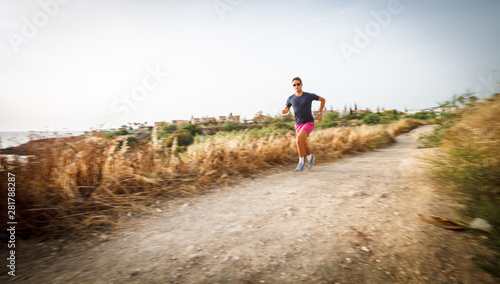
350 221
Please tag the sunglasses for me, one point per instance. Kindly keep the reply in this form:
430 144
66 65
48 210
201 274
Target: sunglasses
297 84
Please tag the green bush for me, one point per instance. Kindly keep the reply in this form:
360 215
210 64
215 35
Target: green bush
116 133
192 128
230 126
181 149
283 125
351 117
163 135
331 116
371 119
424 115
169 128
329 120
132 140
184 138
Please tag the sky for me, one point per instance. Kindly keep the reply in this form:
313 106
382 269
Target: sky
88 64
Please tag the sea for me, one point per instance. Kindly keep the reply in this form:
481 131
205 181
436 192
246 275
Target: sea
16 138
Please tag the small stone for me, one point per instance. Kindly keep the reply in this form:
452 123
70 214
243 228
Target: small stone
365 249
235 229
159 210
103 238
348 260
480 224
129 214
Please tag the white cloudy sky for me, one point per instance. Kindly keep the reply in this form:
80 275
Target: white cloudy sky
76 64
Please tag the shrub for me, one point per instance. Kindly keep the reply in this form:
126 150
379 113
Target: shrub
424 115
132 140
329 120
117 133
169 128
351 117
184 138
371 119
283 125
192 128
230 126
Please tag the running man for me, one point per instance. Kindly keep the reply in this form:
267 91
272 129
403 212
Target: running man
304 121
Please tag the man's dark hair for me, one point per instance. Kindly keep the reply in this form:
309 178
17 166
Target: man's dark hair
297 78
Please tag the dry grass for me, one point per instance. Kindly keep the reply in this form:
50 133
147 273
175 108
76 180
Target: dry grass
88 184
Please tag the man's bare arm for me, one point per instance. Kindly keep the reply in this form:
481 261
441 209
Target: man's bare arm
319 117
285 110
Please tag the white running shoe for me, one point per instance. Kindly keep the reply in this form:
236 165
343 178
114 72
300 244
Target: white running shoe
310 162
300 167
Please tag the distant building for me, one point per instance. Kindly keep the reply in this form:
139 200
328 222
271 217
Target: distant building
235 118
177 122
260 118
196 120
436 110
145 127
222 118
161 123
341 113
202 120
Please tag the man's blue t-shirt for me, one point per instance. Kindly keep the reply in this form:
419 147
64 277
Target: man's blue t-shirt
302 107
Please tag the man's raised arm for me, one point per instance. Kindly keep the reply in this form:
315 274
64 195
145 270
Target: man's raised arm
319 117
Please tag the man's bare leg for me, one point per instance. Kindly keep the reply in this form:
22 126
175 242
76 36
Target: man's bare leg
305 151
302 147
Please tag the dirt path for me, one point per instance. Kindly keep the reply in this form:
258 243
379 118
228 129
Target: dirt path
352 221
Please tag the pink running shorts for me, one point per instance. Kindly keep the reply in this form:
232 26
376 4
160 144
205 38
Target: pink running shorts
308 127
